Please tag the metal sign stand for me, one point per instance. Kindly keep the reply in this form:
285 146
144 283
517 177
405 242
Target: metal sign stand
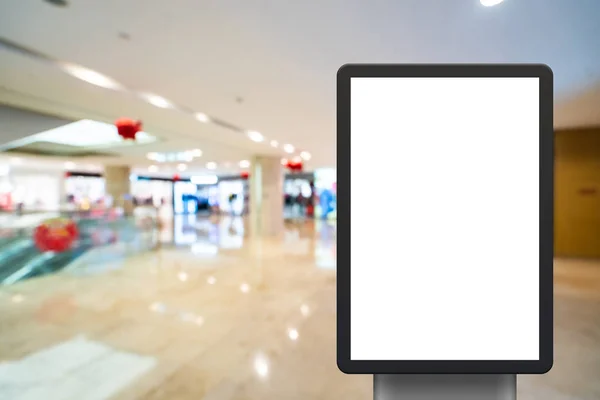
444 387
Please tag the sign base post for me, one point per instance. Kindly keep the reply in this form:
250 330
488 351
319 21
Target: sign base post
444 387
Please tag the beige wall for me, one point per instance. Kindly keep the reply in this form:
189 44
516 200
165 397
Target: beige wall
577 193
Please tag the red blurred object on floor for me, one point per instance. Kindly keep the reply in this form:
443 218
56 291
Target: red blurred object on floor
128 128
57 234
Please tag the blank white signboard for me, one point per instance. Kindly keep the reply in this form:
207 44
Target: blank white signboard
445 219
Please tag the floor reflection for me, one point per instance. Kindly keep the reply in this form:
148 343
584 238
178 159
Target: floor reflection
224 316
225 232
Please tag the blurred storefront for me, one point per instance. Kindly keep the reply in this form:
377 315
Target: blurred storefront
31 189
151 191
84 190
298 195
233 195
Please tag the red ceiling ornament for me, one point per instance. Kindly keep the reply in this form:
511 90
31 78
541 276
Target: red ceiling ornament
57 234
245 174
128 128
294 165
176 178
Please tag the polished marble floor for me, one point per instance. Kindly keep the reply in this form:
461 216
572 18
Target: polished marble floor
222 316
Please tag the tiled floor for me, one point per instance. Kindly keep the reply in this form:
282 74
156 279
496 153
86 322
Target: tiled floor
256 322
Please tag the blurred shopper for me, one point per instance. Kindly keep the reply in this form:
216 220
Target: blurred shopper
232 198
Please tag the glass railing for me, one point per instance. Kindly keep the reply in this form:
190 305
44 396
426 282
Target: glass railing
102 239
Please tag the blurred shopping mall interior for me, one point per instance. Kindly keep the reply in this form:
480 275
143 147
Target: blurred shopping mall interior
168 187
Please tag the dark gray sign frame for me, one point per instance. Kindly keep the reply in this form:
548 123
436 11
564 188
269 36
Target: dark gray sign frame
546 157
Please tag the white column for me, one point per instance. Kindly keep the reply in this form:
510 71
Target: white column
266 197
118 187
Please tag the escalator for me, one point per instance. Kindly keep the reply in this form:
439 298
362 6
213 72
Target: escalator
30 262
20 259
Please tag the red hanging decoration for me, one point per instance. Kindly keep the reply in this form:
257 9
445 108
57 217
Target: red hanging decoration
176 177
57 234
294 165
128 128
245 174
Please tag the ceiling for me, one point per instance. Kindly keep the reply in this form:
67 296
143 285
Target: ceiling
270 66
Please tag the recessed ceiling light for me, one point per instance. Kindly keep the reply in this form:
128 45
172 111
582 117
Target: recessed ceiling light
274 143
288 148
211 165
202 117
182 167
244 164
284 161
255 136
490 3
157 101
92 77
69 165
152 156
153 168
197 153
305 155
297 159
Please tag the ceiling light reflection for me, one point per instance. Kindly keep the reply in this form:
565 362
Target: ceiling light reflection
244 164
304 310
70 165
255 136
205 249
211 165
211 280
153 168
245 288
305 155
158 307
92 77
288 148
187 317
261 366
182 167
274 143
182 276
157 101
293 334
202 117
